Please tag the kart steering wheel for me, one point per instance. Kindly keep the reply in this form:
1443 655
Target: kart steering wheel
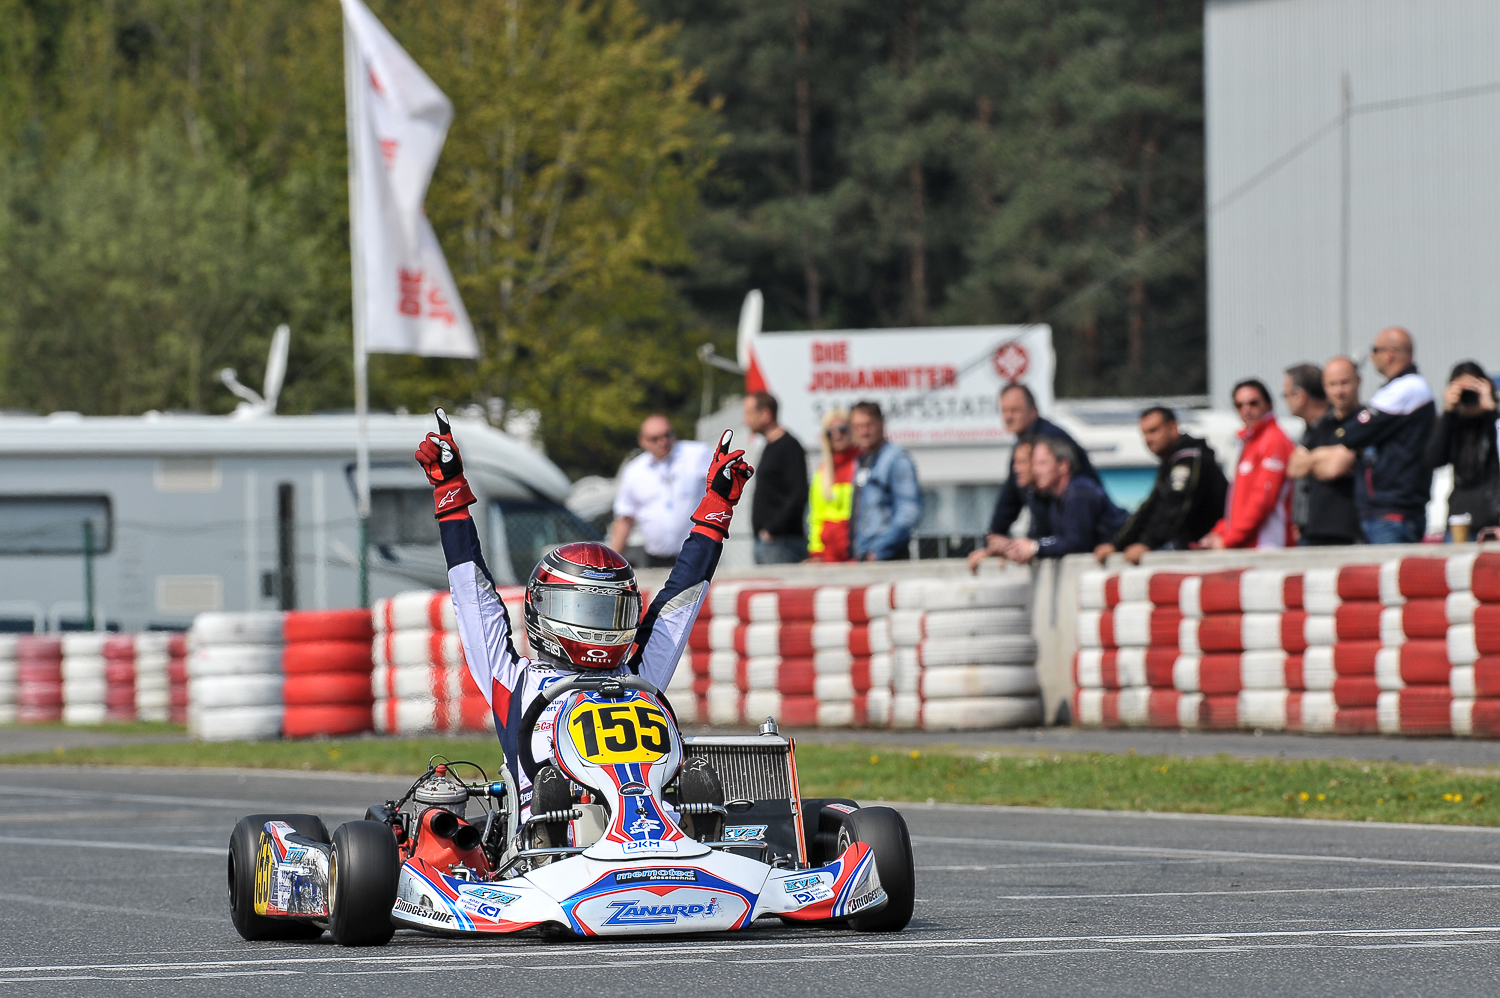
606 684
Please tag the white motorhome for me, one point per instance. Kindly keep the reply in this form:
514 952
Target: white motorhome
191 513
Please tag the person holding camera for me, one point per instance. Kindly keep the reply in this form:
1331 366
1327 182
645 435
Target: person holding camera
1465 437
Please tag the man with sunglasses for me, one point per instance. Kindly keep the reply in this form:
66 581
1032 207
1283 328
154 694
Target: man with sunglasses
1392 481
659 490
1259 513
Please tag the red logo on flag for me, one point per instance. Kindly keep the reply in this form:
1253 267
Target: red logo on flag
411 292
1010 361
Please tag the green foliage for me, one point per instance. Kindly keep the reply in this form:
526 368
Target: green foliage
172 185
966 161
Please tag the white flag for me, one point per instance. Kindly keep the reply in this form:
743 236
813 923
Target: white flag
405 300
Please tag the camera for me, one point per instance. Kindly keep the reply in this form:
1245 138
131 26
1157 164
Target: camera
1468 397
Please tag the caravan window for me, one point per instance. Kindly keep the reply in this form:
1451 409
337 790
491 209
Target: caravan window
53 524
534 528
402 516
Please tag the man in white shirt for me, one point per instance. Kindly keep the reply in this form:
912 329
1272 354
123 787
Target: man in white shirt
659 490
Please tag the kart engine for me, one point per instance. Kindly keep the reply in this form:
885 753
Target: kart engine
441 790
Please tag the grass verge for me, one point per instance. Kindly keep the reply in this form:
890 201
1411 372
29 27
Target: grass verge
1205 785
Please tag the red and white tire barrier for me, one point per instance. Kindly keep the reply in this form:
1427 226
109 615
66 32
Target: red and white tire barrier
1399 647
327 665
8 681
802 655
234 676
420 681
119 677
153 685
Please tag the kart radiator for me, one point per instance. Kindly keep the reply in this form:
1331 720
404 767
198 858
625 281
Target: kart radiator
756 767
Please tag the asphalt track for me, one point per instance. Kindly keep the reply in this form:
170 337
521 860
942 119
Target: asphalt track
112 882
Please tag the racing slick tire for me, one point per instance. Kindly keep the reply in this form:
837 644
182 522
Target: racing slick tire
884 830
244 842
362 876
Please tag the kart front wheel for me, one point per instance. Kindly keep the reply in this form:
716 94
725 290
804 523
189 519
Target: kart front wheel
362 875
244 845
884 831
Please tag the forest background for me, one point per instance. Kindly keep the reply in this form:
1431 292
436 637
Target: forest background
618 174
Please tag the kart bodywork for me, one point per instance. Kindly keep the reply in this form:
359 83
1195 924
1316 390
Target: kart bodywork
628 868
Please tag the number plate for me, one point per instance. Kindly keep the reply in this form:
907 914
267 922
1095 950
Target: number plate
614 732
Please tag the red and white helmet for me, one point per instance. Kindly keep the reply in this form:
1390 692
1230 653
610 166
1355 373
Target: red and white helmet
583 606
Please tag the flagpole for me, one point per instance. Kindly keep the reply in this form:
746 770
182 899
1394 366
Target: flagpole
352 63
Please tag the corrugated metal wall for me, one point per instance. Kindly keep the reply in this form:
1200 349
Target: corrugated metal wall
1424 190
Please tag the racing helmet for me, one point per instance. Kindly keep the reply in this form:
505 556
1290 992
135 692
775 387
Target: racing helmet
583 606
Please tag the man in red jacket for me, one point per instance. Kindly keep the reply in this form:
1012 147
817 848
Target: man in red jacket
1259 513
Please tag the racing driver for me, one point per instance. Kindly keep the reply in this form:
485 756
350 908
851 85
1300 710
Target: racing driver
583 614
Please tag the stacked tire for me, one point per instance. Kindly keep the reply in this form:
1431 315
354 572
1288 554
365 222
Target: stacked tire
83 673
39 682
234 676
119 678
421 681
800 654
177 678
962 654
8 677
153 683
326 662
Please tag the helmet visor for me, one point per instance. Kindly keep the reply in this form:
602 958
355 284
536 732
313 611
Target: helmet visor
599 609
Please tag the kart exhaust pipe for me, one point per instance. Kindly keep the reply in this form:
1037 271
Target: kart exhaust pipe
445 824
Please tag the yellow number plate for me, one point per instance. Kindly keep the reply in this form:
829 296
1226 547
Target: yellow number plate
611 733
263 875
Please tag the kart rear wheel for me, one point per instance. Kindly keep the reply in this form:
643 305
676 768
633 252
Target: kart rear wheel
362 876
884 830
244 843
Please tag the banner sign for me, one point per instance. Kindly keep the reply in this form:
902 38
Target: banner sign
937 386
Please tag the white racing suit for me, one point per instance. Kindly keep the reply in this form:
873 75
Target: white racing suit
511 682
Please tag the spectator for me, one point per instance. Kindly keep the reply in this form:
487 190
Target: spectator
1082 516
1392 478
1037 505
1465 438
830 500
887 498
1018 413
1323 467
659 490
1259 509
1186 500
777 513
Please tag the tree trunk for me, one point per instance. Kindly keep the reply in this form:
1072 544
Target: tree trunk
811 278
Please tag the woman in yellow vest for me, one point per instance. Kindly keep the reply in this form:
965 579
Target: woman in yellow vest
831 496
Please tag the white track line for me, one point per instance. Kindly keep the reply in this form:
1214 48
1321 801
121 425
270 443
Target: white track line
1276 857
1277 890
638 953
132 846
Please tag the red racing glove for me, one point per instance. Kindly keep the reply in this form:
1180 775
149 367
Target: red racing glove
438 456
727 475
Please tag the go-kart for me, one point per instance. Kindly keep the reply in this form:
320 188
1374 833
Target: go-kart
640 851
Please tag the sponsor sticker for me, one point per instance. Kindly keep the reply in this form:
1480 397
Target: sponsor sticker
841 807
649 845
418 911
657 874
489 894
866 900
801 883
644 826
639 913
633 789
744 833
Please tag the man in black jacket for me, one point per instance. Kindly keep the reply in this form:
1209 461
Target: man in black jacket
1322 466
1018 412
1186 500
1392 479
777 513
